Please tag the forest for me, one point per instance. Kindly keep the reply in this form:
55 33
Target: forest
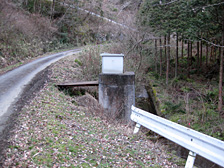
188 39
189 22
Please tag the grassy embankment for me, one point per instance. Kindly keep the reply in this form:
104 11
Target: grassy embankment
54 131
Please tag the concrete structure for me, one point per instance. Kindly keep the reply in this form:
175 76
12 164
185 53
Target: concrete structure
117 95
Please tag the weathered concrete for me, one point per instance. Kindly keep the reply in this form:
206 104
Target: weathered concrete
117 95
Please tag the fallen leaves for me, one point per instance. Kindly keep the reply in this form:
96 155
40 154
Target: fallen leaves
54 132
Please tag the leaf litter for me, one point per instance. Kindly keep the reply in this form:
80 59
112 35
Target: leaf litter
52 131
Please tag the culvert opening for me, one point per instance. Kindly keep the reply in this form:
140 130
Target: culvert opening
86 97
80 91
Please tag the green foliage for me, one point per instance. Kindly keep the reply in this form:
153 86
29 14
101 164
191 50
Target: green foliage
114 9
176 118
186 17
44 7
212 95
191 104
171 108
78 62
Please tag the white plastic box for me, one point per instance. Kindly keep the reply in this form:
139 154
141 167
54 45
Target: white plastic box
112 63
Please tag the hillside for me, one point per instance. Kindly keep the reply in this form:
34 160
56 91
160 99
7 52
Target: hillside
31 28
175 49
23 35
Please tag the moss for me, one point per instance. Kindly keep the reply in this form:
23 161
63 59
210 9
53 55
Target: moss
153 100
154 92
78 62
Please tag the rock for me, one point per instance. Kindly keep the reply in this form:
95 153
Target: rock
89 102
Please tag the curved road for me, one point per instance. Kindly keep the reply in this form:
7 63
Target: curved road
13 83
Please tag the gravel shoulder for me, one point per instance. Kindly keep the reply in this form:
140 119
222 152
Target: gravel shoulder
53 130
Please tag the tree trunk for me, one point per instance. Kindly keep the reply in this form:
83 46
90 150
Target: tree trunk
201 47
40 8
182 49
188 58
215 53
191 48
52 9
165 54
211 52
198 55
168 60
176 61
161 56
34 6
206 55
188 53
221 72
156 56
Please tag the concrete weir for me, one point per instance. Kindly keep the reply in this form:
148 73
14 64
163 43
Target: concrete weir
117 95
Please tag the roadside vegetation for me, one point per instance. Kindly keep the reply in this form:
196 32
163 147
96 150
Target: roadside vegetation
191 102
55 131
186 61
176 48
197 23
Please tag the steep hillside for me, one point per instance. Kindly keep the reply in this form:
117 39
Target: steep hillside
22 35
31 28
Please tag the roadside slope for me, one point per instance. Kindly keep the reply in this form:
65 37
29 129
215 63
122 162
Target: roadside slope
53 131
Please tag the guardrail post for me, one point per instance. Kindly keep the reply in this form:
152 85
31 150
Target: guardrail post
190 160
137 127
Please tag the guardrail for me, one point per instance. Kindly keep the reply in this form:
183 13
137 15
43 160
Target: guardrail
198 143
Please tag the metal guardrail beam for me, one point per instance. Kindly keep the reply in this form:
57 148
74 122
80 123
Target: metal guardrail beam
198 143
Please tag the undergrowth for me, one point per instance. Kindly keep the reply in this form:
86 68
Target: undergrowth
190 103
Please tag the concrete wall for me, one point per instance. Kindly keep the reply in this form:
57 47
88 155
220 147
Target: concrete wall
117 95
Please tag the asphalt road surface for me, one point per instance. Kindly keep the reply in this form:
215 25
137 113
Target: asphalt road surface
22 81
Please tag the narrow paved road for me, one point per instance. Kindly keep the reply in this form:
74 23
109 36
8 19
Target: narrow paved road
13 84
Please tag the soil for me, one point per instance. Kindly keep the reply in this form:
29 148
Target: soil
28 94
